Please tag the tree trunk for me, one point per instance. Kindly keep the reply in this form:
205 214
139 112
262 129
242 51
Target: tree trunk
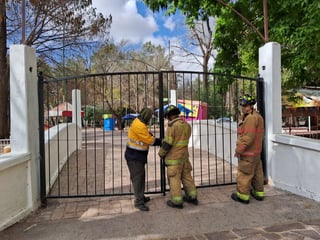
205 61
4 76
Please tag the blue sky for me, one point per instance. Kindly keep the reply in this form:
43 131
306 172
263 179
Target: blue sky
135 23
167 25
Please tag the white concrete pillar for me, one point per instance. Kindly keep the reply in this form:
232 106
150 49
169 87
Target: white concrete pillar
24 99
76 107
270 71
173 97
25 111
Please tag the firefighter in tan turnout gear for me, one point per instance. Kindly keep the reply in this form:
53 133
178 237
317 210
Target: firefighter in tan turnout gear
250 177
174 150
139 139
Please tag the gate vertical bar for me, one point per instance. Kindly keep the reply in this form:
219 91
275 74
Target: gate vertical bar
261 108
161 123
41 142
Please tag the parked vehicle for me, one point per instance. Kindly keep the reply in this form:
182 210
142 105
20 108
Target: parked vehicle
223 120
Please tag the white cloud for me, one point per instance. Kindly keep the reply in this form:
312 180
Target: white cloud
127 23
170 24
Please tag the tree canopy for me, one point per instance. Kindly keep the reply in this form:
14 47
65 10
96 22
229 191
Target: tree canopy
55 28
293 24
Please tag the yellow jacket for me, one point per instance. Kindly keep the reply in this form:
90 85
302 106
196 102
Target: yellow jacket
139 137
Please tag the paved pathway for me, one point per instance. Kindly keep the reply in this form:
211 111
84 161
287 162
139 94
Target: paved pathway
281 216
99 167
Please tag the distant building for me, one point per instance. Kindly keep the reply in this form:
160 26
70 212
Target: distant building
199 109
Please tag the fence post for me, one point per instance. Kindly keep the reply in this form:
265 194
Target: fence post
24 111
41 142
261 108
270 71
161 124
76 107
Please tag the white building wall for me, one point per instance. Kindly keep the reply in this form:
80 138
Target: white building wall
14 181
296 165
19 170
217 138
293 163
60 142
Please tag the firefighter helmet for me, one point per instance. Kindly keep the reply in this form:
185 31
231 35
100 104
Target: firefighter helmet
247 100
171 111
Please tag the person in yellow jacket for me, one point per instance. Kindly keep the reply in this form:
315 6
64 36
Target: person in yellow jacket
174 151
136 154
250 178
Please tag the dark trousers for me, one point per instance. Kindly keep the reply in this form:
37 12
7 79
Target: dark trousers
137 176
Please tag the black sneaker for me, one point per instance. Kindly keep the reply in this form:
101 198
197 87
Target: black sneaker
255 196
235 197
194 201
171 204
142 207
146 199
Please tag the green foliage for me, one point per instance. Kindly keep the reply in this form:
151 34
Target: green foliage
107 58
111 58
299 35
150 58
55 28
93 113
293 24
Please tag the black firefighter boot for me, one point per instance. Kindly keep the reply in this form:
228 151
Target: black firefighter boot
194 201
255 196
173 205
235 197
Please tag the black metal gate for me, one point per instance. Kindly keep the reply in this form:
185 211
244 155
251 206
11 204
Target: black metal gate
83 154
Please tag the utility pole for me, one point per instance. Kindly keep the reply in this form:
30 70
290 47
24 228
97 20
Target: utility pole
265 14
23 21
64 83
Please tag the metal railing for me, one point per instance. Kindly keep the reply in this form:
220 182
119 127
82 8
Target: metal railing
98 167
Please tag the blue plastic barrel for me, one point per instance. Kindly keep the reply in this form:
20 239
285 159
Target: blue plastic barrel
108 122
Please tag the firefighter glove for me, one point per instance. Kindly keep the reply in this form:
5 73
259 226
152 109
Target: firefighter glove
157 142
162 153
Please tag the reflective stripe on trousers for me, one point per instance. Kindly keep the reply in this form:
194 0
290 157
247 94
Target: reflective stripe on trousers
250 173
177 174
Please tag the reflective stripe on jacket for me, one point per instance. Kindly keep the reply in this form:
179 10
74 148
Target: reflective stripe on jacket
250 134
139 137
178 133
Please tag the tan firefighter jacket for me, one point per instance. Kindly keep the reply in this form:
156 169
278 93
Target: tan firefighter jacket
175 143
250 134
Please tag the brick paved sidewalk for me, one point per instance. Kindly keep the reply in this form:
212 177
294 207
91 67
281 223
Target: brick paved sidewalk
298 230
281 216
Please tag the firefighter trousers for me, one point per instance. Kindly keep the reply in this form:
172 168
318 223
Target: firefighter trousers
250 174
181 174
